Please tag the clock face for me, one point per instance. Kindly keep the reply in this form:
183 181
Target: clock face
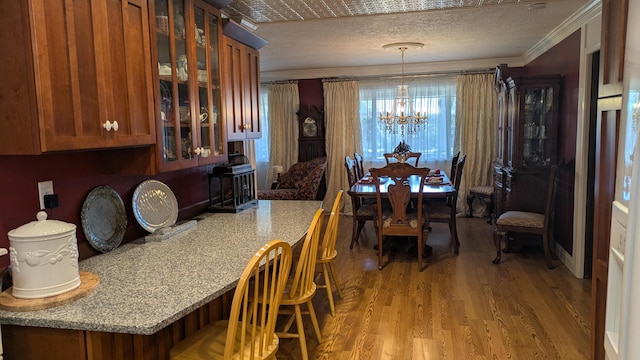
309 127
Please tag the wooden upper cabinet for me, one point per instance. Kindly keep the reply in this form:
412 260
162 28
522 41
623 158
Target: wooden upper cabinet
242 90
81 77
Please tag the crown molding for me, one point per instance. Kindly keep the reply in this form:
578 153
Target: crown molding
562 31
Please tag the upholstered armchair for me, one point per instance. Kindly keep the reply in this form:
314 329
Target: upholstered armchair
300 182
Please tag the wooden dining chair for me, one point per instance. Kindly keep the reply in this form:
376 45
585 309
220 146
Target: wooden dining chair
445 212
399 219
362 210
359 165
301 288
328 252
250 331
454 164
530 222
392 157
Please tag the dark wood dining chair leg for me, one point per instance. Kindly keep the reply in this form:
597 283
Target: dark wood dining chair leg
470 198
360 227
380 250
421 244
497 240
354 231
354 207
454 237
547 251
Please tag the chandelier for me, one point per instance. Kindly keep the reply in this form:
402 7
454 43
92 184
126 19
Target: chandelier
403 115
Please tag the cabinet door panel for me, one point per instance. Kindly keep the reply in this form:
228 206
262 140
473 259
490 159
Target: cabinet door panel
132 70
69 97
242 99
252 94
17 89
233 92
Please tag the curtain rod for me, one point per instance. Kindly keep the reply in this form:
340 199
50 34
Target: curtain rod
280 82
432 74
392 77
336 79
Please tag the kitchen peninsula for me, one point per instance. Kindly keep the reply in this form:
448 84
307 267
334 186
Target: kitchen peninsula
153 294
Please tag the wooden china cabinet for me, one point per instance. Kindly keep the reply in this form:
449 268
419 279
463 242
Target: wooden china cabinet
241 65
188 102
527 139
77 75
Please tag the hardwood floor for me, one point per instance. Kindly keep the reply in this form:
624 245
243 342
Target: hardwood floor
460 307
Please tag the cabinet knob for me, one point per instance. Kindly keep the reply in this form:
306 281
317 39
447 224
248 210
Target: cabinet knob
108 125
198 150
247 127
240 127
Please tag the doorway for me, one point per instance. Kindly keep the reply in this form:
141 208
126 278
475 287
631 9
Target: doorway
591 167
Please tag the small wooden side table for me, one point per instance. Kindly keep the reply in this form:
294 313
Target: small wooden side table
237 188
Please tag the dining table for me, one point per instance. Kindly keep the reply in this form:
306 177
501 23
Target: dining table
438 185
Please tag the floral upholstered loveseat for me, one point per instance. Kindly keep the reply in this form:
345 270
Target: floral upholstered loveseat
300 182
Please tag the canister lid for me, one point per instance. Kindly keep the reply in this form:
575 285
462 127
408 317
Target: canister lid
42 227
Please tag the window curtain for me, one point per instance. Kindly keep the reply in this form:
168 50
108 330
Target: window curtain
434 96
284 101
341 102
262 144
475 134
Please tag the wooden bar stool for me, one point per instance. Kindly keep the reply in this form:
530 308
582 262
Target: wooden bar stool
483 193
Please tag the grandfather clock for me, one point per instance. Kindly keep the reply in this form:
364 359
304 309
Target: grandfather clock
311 133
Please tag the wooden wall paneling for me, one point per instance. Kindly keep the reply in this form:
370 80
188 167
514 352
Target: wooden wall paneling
608 126
612 48
22 342
614 26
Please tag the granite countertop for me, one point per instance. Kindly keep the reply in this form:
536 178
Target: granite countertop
146 286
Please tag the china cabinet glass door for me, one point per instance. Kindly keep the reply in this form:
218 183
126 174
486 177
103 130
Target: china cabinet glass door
206 36
188 33
537 122
174 80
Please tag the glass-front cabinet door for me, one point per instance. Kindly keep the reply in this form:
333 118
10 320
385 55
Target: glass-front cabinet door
208 75
538 125
187 36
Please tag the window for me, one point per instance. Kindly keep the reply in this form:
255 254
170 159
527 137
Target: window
434 96
262 144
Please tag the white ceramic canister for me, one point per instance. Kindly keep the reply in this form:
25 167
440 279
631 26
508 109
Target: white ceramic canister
44 258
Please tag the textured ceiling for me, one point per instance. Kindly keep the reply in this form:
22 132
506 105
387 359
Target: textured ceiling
330 34
261 11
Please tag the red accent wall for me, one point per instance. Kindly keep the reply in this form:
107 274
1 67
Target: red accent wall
564 59
74 175
311 92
